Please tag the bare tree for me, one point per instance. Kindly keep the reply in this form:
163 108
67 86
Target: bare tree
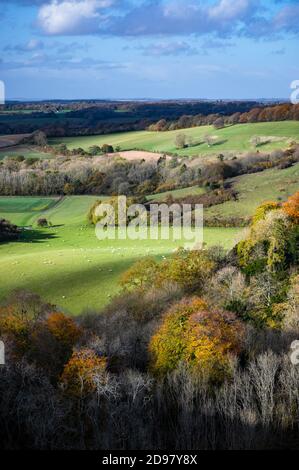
180 141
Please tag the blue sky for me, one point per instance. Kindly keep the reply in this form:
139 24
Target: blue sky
149 48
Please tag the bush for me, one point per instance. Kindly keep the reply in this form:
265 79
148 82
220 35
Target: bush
106 148
42 222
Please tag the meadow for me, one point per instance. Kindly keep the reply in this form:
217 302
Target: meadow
269 185
229 139
25 151
66 264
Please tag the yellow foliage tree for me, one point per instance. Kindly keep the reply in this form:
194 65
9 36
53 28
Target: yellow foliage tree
197 335
263 210
80 374
188 269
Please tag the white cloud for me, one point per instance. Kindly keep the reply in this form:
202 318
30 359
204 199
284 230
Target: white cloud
31 45
229 9
34 44
69 16
174 48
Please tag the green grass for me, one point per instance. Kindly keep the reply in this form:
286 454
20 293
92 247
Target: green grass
269 185
25 211
27 152
233 138
66 264
70 267
177 193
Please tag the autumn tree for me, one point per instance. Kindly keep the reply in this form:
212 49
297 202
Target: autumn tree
82 372
195 334
291 207
189 270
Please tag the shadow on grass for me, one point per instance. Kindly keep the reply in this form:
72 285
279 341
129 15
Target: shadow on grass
219 142
35 236
262 144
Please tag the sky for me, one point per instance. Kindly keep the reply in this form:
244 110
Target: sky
126 49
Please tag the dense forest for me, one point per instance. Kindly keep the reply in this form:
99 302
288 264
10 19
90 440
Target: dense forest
87 118
280 112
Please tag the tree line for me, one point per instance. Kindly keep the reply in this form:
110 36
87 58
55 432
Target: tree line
281 112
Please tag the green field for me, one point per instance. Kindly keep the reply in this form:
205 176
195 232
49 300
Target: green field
25 211
67 264
234 138
270 185
177 193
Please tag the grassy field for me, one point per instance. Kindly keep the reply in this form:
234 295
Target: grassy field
25 211
27 152
234 138
67 264
270 185
177 193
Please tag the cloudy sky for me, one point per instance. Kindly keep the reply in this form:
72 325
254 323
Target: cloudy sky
149 48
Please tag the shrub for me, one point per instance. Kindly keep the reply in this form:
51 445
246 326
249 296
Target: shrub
106 148
112 218
42 222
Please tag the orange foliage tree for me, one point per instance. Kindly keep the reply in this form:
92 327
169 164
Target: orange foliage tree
45 337
197 335
291 207
63 328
